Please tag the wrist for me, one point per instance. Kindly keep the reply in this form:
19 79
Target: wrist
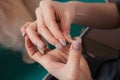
81 11
75 10
95 15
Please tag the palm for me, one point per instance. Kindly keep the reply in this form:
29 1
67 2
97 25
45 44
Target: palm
56 56
55 60
62 63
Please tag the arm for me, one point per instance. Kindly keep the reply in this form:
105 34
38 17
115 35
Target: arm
55 18
96 15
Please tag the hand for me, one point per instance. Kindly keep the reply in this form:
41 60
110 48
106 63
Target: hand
53 23
65 64
54 20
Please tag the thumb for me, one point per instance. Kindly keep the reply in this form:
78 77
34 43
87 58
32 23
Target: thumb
75 54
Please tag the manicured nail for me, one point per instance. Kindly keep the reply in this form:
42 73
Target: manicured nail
39 46
23 34
58 46
77 44
62 42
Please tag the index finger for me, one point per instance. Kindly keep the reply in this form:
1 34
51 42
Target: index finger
51 24
35 55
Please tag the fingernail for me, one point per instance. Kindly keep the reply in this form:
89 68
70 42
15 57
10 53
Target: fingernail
23 34
39 46
69 36
77 44
62 42
58 46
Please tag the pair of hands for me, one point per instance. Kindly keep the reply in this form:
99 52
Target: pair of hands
54 20
53 23
65 64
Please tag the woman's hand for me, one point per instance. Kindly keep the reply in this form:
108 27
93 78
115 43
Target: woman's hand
65 64
54 20
53 23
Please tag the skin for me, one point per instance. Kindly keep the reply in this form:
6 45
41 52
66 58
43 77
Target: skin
54 19
97 15
65 64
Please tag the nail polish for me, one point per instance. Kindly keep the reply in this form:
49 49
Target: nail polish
39 46
62 42
58 46
77 44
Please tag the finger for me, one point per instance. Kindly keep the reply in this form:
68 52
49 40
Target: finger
34 36
23 28
68 38
75 54
51 24
31 50
65 28
65 24
42 29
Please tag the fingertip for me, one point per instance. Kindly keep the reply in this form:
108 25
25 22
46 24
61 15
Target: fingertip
39 46
58 46
23 29
68 38
76 45
23 33
63 42
75 54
